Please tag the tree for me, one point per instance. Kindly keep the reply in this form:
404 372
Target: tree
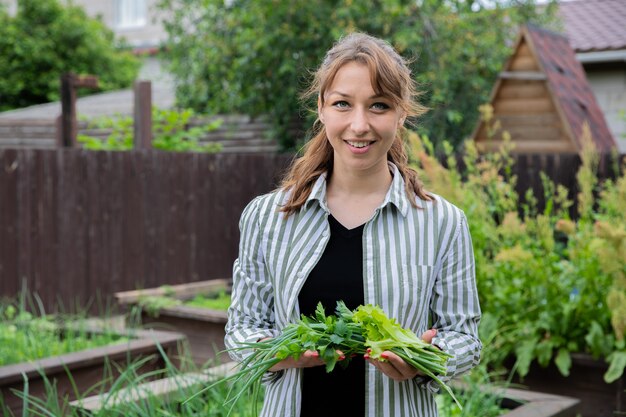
254 56
46 39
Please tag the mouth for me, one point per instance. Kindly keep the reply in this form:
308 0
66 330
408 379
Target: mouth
359 144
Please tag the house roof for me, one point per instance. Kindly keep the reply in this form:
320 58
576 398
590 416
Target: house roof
595 25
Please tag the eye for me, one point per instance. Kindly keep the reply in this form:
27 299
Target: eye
380 106
341 104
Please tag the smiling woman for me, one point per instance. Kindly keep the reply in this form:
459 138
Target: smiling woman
361 126
352 222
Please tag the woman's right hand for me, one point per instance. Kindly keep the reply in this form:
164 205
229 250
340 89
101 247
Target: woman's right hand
308 359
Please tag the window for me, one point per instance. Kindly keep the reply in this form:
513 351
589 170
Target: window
130 13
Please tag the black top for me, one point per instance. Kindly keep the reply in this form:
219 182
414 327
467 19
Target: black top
337 276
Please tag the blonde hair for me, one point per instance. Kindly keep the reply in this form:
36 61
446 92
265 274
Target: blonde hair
391 78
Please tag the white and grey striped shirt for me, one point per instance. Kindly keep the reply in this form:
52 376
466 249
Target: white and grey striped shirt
418 265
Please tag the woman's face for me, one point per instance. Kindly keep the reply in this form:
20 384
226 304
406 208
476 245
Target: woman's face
360 125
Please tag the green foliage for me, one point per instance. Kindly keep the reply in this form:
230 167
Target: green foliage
475 401
254 57
25 337
124 391
153 304
350 332
170 129
220 302
554 286
45 40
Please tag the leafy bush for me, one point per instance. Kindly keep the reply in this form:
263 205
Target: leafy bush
170 128
253 57
45 40
551 285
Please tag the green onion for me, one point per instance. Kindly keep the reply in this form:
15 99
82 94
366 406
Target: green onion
351 332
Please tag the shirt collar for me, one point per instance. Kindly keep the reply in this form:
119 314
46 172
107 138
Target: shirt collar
318 192
396 194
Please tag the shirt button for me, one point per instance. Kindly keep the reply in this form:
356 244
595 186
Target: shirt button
300 274
325 233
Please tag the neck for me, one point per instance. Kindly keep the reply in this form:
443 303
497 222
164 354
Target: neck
350 183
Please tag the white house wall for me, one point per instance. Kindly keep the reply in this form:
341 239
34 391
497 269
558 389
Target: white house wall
148 35
609 87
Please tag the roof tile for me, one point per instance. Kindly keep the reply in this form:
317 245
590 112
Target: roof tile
595 25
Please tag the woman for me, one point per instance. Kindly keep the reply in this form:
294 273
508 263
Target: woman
351 221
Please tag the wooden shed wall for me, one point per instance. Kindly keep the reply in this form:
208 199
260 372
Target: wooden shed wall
524 107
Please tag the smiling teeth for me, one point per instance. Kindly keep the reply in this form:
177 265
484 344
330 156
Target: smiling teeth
358 144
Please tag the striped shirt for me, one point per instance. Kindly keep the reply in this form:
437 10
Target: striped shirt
418 265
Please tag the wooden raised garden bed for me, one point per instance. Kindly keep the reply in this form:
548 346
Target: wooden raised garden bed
171 389
585 381
203 328
516 402
85 369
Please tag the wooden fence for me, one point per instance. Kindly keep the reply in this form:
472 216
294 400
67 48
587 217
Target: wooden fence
77 226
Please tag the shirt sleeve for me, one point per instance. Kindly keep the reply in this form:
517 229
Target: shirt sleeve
455 306
251 312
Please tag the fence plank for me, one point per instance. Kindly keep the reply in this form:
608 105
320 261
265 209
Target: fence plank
9 228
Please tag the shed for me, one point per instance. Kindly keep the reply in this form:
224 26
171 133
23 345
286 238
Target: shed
542 98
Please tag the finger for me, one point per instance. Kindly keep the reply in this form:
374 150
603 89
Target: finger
388 369
428 335
311 354
404 369
393 366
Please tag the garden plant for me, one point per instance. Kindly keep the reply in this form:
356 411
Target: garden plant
170 128
153 304
61 356
26 336
551 284
126 391
130 395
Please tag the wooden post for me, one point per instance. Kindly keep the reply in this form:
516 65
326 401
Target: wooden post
68 122
67 125
143 115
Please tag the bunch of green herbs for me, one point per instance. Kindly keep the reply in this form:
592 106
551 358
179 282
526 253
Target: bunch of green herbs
350 332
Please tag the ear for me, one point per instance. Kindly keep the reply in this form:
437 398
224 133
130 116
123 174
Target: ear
401 121
319 109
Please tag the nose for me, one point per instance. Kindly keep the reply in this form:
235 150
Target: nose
360 124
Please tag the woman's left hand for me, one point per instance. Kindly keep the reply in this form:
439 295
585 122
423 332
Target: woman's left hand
394 366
